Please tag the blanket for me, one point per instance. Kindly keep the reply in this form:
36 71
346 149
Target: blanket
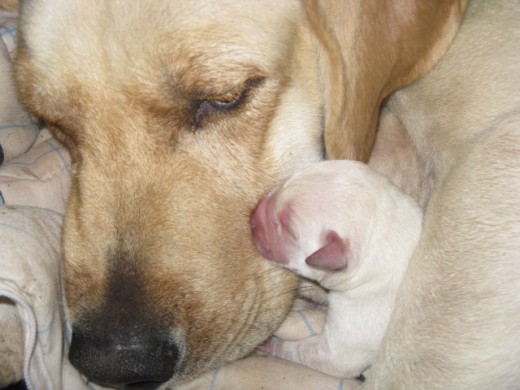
35 176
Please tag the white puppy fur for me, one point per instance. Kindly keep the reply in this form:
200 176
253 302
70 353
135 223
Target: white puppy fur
347 227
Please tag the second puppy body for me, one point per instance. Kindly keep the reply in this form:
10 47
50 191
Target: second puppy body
347 227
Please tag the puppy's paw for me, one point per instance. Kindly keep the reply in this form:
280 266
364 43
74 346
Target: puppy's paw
301 324
315 352
286 350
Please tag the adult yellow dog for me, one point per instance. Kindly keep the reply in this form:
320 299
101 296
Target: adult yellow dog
180 115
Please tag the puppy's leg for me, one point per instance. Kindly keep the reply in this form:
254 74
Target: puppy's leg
456 320
347 344
301 324
321 353
307 315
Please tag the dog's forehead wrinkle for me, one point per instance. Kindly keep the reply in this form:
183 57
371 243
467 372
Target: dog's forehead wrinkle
126 41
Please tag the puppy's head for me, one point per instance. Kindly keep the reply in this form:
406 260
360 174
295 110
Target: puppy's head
314 222
334 222
178 117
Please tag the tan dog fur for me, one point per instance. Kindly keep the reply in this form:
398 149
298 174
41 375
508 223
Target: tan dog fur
456 322
164 184
11 5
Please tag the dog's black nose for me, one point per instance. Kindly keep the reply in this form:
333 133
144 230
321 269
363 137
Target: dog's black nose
140 359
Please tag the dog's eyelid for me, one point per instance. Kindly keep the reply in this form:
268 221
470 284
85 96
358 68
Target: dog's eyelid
233 95
226 102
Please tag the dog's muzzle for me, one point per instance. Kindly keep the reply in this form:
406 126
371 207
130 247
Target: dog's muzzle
122 343
130 357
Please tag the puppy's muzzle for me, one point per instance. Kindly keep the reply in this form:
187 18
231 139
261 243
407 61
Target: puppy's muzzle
132 356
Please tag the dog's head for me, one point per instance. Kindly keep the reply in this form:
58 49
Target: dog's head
177 119
178 116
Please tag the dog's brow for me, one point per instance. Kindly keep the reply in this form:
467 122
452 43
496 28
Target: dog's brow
211 75
216 83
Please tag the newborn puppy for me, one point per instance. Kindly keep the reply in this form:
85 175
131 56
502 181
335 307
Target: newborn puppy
347 227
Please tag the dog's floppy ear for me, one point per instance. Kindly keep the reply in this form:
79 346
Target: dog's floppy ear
11 5
372 48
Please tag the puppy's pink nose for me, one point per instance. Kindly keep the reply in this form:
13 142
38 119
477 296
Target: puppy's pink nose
258 225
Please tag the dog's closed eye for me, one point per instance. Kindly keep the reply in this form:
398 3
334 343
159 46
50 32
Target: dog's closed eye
224 104
207 107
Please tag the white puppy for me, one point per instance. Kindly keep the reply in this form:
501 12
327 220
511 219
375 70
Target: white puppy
347 227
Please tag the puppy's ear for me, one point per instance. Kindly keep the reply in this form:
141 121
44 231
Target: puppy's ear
371 48
333 256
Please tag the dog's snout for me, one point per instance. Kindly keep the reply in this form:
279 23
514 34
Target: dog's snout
138 359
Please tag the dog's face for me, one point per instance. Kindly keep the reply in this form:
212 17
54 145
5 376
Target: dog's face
178 117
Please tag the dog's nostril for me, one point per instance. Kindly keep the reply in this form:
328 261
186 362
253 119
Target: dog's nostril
136 359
